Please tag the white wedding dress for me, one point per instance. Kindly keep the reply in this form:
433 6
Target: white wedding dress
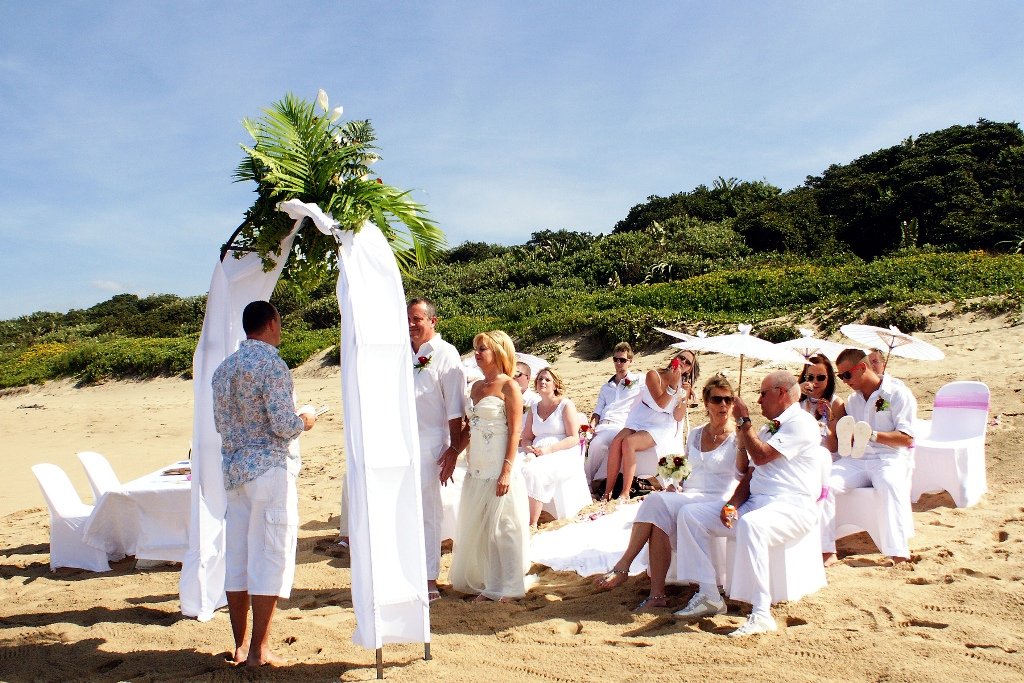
490 556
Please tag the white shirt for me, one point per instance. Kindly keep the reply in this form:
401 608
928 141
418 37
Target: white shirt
615 399
798 472
890 408
440 387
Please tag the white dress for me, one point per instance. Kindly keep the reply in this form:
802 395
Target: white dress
646 416
712 477
543 473
489 558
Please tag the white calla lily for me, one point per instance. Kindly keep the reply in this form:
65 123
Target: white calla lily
336 114
321 99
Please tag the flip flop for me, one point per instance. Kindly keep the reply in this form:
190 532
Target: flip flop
861 436
844 433
433 596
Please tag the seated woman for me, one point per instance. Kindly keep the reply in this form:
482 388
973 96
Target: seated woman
653 420
551 442
818 385
715 463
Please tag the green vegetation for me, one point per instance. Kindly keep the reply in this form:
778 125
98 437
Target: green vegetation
936 219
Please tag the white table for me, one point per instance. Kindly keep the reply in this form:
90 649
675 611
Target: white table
147 517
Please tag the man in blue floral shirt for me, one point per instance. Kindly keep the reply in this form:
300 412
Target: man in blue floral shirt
254 411
889 407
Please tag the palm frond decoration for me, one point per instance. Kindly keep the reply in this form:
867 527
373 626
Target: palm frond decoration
300 154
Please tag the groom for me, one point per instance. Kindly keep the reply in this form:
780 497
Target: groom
440 386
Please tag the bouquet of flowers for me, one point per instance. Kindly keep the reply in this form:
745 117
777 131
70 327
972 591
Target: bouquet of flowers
673 469
586 433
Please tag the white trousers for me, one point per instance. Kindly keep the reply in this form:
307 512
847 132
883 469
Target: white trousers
596 464
431 449
889 477
764 521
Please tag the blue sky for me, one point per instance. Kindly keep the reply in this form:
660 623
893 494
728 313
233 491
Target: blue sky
120 121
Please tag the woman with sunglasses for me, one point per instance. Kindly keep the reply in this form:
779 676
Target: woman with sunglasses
653 420
715 464
818 386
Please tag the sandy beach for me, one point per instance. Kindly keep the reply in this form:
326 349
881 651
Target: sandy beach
952 613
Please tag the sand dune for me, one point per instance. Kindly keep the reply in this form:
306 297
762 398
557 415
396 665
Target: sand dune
953 613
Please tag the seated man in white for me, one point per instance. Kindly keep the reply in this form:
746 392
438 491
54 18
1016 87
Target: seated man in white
876 359
614 401
773 503
889 408
530 397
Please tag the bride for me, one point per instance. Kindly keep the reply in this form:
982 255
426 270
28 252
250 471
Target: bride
489 558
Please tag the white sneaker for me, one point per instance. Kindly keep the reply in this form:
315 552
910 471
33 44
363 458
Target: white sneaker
861 436
702 605
844 433
753 625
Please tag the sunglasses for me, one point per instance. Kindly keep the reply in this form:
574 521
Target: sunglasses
814 378
620 360
518 375
719 400
848 375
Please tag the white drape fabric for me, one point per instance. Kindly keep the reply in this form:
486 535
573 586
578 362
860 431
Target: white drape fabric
235 283
389 574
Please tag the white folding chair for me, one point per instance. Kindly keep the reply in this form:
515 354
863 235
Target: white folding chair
100 474
571 496
952 457
68 515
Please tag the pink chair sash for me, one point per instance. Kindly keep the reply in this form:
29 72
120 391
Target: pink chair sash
971 401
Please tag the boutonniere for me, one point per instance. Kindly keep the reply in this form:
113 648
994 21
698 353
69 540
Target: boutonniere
627 382
881 404
422 362
773 426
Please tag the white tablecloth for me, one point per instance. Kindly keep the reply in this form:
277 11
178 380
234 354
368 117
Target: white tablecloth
147 517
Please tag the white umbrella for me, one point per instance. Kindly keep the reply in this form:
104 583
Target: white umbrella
893 341
808 345
679 335
743 344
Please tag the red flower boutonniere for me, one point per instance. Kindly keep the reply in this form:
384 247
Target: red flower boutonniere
773 426
627 382
881 404
422 362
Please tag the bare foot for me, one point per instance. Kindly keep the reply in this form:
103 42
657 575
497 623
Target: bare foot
237 657
616 577
481 598
268 659
899 560
652 601
829 559
506 600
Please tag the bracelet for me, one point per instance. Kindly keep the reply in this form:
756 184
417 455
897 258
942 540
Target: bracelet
508 461
670 391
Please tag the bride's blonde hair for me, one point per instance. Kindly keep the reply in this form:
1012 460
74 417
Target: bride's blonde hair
501 344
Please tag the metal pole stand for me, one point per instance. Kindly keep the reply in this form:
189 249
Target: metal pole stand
426 652
380 664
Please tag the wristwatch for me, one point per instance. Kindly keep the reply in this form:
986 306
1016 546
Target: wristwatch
741 421
874 436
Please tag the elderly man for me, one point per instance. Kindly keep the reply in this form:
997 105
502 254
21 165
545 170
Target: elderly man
522 378
440 404
774 502
889 408
614 401
254 412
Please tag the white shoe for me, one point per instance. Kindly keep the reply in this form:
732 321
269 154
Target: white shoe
702 605
844 433
753 625
861 436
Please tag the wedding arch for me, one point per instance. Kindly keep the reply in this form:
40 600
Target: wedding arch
312 171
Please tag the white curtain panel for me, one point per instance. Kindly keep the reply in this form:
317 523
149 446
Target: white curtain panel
235 282
389 573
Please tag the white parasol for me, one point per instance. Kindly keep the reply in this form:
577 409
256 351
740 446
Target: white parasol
680 335
893 342
808 345
743 344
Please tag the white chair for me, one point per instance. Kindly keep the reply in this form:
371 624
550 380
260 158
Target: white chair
100 474
952 457
68 515
794 569
862 509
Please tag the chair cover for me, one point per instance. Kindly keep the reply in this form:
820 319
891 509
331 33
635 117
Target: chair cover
952 457
68 515
100 474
